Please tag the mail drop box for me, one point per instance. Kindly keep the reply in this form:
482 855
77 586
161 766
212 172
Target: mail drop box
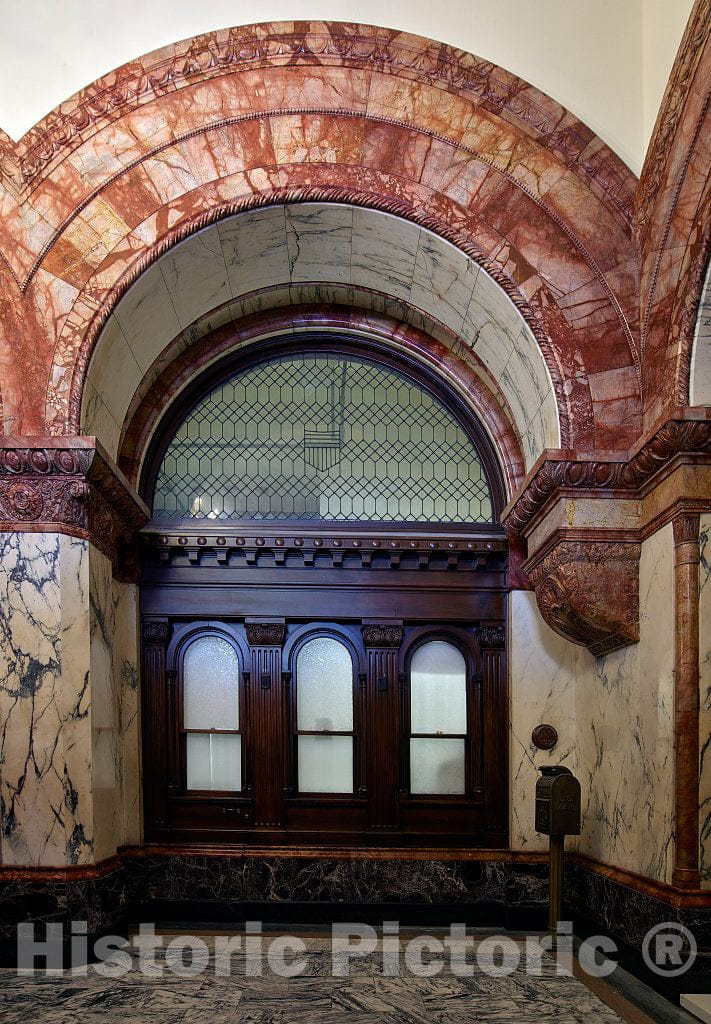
557 802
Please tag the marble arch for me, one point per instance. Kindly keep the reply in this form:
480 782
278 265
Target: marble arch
407 283
310 111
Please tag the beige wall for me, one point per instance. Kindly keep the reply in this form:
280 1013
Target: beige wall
587 54
614 717
663 24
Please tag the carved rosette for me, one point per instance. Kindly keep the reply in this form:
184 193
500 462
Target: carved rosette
156 631
265 634
68 488
588 592
376 635
491 637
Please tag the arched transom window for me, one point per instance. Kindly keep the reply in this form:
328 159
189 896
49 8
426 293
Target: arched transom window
318 436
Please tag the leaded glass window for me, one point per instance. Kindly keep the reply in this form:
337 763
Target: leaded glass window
322 437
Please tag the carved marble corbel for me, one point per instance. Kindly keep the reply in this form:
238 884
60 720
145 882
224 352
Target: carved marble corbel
588 591
583 518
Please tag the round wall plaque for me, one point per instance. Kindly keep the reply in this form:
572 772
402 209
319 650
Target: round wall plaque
544 737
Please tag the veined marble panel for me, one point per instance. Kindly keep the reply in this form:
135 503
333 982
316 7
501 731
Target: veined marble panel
705 702
542 673
115 723
319 242
624 725
195 273
147 317
125 668
105 711
69 728
410 273
700 382
45 704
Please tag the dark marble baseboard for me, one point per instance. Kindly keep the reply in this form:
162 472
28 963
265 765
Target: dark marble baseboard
284 879
487 893
598 904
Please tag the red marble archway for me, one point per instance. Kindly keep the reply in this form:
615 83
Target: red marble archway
673 218
301 111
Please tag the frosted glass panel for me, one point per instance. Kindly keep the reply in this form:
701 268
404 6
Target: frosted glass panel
211 685
436 766
438 691
325 764
214 762
324 679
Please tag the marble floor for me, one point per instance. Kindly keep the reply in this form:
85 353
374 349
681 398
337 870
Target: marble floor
364 996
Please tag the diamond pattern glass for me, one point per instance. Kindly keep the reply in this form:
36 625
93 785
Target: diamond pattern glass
322 437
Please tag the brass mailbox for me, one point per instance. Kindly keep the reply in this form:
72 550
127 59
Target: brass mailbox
557 802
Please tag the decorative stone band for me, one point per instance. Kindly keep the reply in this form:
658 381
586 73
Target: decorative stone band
687 433
67 485
329 44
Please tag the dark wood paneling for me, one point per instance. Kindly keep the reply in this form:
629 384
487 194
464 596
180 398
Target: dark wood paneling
447 604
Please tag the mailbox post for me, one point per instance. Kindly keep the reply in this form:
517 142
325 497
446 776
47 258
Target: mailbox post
557 816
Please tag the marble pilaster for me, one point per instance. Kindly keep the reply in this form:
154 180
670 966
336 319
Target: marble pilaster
45 704
68 703
705 701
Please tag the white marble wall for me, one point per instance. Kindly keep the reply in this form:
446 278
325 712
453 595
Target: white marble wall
68 703
45 749
705 702
624 728
114 720
388 264
700 381
125 665
542 675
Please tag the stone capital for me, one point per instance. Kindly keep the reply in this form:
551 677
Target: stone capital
584 516
67 485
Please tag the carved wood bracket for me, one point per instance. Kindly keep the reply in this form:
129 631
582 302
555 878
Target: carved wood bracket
67 485
381 635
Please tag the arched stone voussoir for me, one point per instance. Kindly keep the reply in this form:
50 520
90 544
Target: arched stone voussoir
353 114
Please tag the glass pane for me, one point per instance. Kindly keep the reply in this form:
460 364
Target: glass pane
438 689
436 766
214 762
211 685
324 681
316 436
325 764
